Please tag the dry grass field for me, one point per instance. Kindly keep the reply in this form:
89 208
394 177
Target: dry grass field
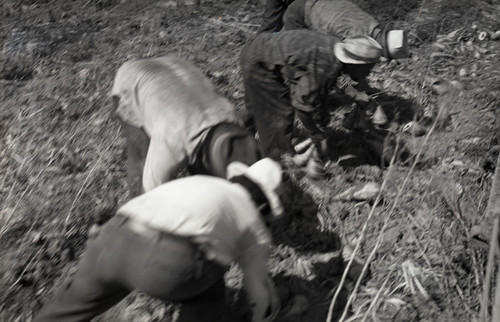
62 156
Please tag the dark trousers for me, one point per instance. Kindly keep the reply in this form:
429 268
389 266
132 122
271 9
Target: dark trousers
273 15
119 260
267 98
224 144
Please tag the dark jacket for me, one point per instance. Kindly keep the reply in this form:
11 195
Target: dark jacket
304 60
287 73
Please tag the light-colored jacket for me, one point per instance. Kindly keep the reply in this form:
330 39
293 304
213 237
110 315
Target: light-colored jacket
176 105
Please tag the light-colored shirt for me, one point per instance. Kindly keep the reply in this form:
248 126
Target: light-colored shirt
176 105
218 215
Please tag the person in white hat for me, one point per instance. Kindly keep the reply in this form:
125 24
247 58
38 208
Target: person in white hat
173 119
344 19
292 72
175 242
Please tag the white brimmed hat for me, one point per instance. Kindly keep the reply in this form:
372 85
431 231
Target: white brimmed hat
396 44
358 50
265 173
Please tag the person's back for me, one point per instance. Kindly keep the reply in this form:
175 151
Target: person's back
340 17
174 119
273 15
344 19
169 98
297 48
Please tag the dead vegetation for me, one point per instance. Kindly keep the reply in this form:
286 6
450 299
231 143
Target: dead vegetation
62 171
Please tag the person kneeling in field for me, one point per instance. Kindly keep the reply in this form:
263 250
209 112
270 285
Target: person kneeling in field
175 242
173 119
292 72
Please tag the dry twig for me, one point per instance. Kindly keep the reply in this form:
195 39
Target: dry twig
84 185
493 210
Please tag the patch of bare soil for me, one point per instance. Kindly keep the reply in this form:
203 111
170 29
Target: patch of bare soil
62 156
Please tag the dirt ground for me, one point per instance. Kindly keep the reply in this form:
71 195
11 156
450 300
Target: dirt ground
62 156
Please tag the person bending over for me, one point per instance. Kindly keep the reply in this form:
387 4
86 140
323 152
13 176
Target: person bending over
173 119
292 72
175 243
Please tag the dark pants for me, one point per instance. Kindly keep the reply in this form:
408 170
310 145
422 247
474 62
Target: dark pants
119 260
267 98
273 15
224 144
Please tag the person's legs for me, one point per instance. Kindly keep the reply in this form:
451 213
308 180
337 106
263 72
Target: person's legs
137 149
81 300
172 268
248 115
224 144
273 16
119 260
88 293
269 100
294 16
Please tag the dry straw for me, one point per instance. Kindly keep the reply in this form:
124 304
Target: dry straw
87 178
382 230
